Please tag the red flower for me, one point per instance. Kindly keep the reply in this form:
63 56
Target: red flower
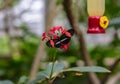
55 33
55 30
44 36
65 46
55 37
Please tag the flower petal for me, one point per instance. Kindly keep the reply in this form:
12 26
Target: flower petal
52 43
68 34
60 27
44 36
63 31
65 46
55 37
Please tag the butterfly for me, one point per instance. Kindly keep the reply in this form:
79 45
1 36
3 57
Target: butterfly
63 39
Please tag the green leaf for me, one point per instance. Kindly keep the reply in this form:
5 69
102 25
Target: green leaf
23 80
40 77
58 67
6 82
87 69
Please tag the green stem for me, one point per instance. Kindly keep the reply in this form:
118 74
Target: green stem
54 57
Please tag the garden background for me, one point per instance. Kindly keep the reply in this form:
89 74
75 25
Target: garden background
22 54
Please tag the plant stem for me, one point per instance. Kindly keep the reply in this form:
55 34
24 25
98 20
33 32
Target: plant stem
49 81
54 57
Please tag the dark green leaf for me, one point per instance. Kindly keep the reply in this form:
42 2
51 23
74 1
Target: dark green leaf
58 67
22 80
87 69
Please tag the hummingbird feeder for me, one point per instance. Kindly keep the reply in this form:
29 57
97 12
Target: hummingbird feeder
97 23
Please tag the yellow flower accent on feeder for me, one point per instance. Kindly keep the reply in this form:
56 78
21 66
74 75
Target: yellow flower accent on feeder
104 22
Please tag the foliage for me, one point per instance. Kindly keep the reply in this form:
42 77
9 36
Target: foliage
112 8
115 23
59 69
22 80
20 63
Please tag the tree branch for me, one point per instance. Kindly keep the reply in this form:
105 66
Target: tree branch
114 79
73 19
112 68
41 50
7 26
36 61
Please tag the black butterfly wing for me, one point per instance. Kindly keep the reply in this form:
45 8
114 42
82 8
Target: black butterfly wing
71 31
48 44
65 39
56 42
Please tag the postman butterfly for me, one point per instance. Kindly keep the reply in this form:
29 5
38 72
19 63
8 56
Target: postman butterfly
63 39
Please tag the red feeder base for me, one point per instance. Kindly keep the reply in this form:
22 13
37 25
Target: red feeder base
94 25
